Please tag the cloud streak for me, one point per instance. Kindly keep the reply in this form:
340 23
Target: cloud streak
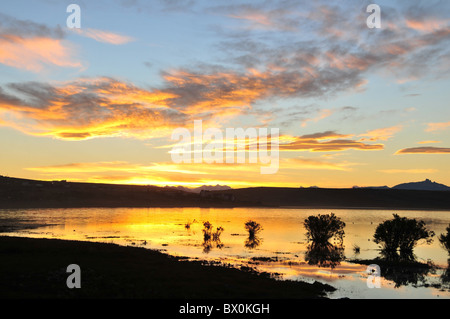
381 134
432 127
409 171
329 141
103 36
424 150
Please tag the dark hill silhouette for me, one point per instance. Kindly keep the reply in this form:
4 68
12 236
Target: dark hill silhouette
343 198
425 185
25 193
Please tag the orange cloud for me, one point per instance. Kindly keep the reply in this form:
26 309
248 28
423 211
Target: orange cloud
33 54
88 108
427 25
428 142
381 134
257 18
103 36
424 150
326 142
329 141
437 126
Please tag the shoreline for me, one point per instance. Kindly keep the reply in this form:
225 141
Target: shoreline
36 269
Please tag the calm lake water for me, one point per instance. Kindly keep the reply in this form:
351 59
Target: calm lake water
281 247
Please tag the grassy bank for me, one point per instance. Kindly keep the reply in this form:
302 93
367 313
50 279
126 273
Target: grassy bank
36 268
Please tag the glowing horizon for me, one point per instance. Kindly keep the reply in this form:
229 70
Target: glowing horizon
353 105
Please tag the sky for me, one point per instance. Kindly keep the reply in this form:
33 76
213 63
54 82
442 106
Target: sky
353 105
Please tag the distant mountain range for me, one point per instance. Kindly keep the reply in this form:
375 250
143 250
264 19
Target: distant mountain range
201 188
426 185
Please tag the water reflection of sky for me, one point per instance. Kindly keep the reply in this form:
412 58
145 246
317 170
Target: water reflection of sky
280 246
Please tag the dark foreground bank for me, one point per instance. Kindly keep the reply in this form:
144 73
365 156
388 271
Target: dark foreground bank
37 268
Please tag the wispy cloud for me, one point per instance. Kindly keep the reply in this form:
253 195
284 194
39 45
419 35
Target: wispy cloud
256 17
329 141
426 25
432 127
409 171
349 44
34 47
428 142
424 150
381 134
103 36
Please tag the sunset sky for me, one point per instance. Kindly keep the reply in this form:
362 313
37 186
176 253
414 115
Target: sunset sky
353 105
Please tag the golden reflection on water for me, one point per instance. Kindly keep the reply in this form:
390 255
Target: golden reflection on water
280 246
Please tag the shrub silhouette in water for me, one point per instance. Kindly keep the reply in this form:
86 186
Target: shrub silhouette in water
210 237
320 230
401 233
253 229
324 255
397 238
445 239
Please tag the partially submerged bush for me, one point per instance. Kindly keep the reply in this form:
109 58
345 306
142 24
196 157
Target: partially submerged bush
211 237
253 229
401 233
445 239
324 255
322 228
